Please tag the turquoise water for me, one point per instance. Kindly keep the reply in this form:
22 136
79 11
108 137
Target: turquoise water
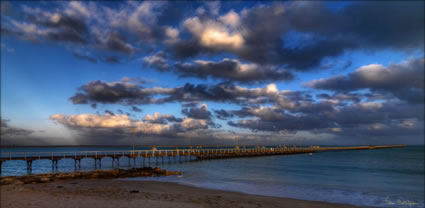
385 177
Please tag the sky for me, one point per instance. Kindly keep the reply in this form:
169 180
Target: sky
212 73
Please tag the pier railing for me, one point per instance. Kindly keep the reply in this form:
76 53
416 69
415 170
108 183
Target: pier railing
141 153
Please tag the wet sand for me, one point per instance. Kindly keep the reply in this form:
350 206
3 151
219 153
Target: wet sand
120 193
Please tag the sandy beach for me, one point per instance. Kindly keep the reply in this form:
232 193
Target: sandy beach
121 193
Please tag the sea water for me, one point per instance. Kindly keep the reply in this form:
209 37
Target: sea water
382 177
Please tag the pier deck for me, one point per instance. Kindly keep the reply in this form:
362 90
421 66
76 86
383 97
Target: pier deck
199 154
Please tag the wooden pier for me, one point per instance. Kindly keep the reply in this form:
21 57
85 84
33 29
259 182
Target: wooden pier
193 154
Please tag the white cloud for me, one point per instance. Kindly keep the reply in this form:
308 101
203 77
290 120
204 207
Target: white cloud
93 121
214 34
80 8
190 123
157 117
231 18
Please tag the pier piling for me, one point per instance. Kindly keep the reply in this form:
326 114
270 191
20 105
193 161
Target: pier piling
29 166
54 164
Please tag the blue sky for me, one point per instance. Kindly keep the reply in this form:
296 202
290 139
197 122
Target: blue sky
53 49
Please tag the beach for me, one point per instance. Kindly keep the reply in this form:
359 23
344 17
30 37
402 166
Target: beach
121 193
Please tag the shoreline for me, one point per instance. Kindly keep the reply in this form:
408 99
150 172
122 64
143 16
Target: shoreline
130 193
96 174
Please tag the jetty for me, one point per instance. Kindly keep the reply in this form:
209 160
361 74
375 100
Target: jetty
171 154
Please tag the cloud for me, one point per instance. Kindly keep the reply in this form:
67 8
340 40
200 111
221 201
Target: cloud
263 34
126 93
119 125
191 124
96 26
10 132
223 114
114 42
114 123
93 121
231 18
293 35
111 59
114 92
197 112
207 36
136 109
290 35
276 119
109 112
269 109
80 8
404 80
330 117
50 26
145 20
157 61
160 119
232 69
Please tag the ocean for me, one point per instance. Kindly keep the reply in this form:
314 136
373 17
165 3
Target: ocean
382 177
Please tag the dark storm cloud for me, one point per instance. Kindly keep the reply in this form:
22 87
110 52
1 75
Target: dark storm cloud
231 69
325 116
136 109
9 131
111 59
115 42
120 92
223 114
36 36
123 92
109 112
320 32
387 25
190 93
372 25
264 43
102 92
369 113
404 80
64 28
186 48
289 123
68 24
290 111
65 22
367 25
293 35
197 112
